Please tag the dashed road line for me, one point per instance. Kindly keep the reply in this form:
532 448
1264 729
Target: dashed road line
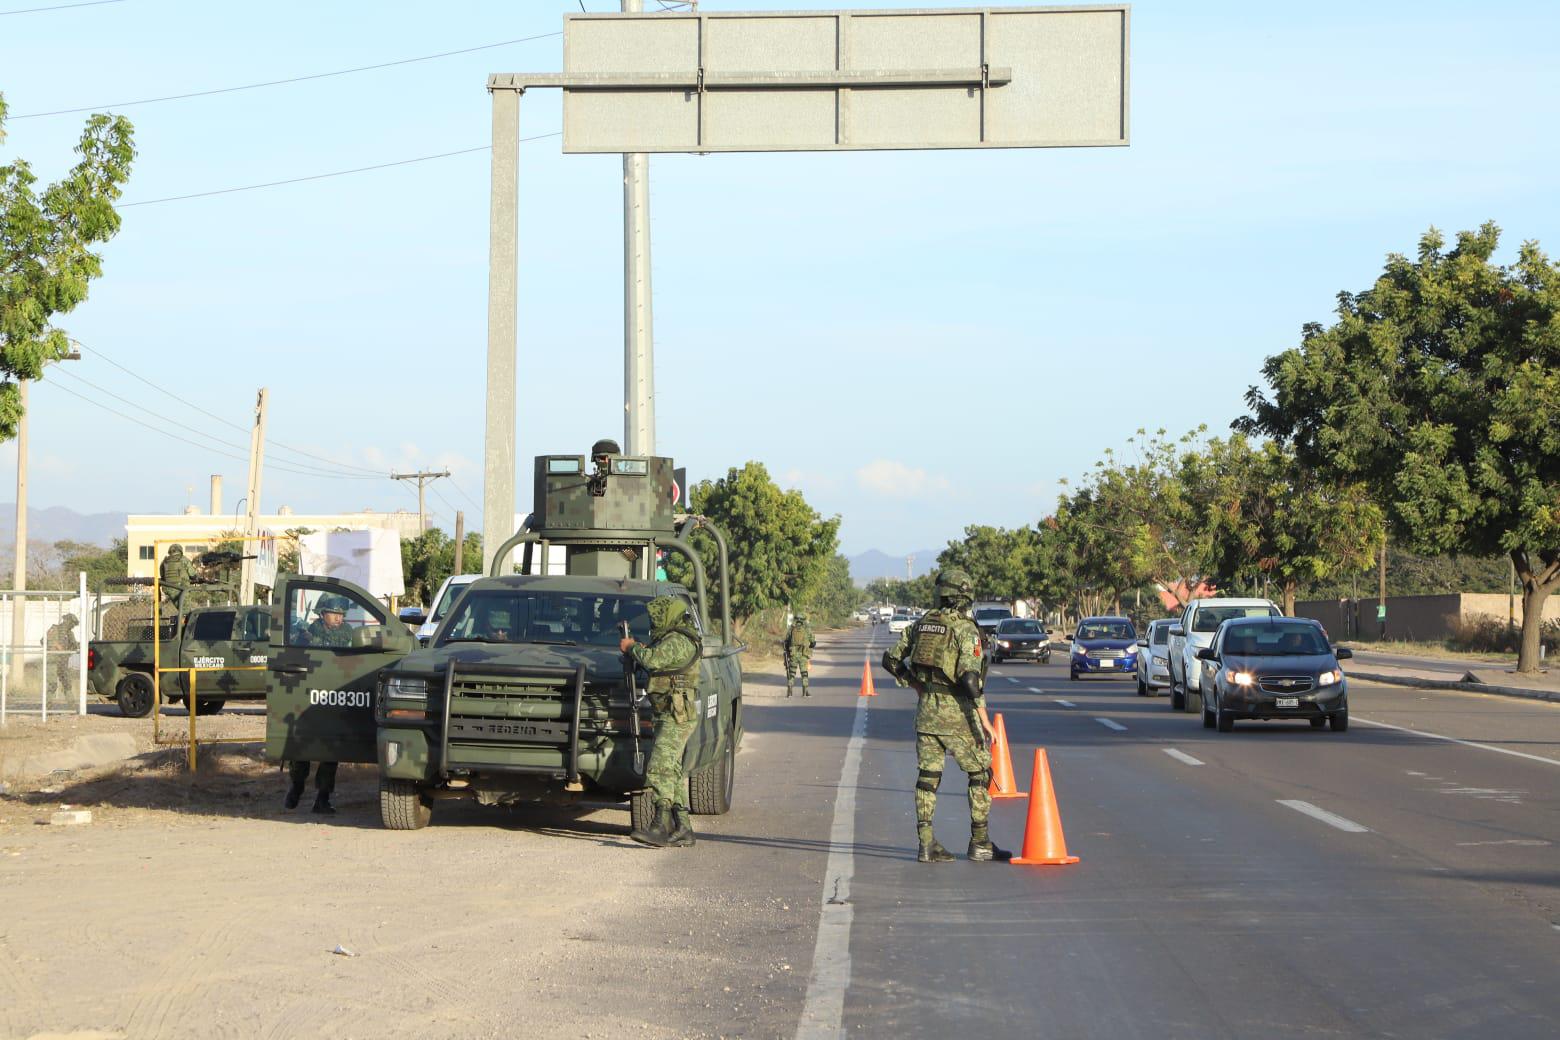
1111 724
1065 704
1464 743
1031 689
1009 678
1331 819
1182 756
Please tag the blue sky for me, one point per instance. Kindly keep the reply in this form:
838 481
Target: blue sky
916 340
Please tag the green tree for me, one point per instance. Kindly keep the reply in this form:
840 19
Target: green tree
917 592
46 256
1439 389
1001 562
831 596
1277 518
429 558
779 543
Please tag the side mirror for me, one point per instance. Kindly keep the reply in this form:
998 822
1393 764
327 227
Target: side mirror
1207 654
1142 642
381 639
1067 639
1343 653
1177 630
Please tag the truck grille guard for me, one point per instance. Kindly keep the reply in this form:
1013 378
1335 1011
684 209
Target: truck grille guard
577 674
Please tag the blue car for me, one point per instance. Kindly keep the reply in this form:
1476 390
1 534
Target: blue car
1104 646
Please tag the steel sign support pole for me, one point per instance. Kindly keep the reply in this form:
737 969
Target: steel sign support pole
638 336
498 466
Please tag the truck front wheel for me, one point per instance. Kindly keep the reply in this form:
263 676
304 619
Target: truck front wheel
134 695
402 807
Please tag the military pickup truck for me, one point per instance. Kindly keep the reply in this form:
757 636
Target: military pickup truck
521 694
225 638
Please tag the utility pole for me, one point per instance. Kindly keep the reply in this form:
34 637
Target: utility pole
246 582
422 477
498 449
910 567
460 542
1381 590
638 338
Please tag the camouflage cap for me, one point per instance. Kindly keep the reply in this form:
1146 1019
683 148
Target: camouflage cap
332 604
665 611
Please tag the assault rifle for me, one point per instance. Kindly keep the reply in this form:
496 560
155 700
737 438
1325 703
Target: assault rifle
636 699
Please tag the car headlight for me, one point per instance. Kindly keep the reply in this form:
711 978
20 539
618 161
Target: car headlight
1004 644
1242 678
1078 650
1328 678
406 688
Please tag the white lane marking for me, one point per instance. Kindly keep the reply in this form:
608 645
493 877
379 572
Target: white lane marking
1010 678
824 1010
1111 724
1032 689
1464 743
1528 842
1182 756
1331 819
1065 704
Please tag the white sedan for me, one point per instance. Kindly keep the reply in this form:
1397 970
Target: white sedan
900 622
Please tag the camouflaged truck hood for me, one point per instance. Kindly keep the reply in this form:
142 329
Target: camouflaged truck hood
602 663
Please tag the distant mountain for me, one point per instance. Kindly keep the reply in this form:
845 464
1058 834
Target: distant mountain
58 524
874 563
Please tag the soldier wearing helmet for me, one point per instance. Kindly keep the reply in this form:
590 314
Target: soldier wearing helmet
60 642
940 656
672 658
329 626
601 457
799 644
175 575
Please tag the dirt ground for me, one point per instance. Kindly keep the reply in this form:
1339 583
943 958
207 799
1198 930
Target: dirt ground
195 906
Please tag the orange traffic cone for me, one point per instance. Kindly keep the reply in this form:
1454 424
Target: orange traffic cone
1044 843
867 689
1002 783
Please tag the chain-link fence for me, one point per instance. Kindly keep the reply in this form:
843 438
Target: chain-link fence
43 651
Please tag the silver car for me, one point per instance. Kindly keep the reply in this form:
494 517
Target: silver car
1153 665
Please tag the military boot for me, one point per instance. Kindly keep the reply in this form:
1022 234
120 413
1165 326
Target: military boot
932 852
983 851
294 794
659 833
806 691
789 688
682 830
322 805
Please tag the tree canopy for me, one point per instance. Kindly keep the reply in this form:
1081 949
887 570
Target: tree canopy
1438 388
46 250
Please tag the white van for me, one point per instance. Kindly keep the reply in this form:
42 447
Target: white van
449 592
1195 631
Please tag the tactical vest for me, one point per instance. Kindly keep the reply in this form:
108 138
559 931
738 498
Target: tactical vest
683 678
934 648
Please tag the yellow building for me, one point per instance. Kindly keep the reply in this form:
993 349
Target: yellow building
198 531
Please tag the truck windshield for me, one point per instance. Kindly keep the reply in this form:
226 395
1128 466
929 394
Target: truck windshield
452 592
538 616
992 613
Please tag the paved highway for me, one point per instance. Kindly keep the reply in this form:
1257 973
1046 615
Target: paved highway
1276 881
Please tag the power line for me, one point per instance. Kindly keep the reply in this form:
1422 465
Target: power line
463 494
376 474
277 82
60 7
323 176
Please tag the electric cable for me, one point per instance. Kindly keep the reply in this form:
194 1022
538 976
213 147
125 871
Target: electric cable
323 176
61 7
277 82
463 494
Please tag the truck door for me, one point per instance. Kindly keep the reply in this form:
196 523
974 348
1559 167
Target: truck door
251 647
208 643
328 643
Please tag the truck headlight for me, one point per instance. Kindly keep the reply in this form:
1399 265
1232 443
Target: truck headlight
1004 644
406 688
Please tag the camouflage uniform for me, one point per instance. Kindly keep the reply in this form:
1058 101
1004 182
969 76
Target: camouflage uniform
61 641
672 658
940 655
799 644
175 575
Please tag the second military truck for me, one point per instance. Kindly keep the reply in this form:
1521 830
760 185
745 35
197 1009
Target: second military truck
521 694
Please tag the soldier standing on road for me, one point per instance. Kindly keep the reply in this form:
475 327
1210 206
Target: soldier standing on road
940 657
672 659
328 628
799 644
60 641
175 575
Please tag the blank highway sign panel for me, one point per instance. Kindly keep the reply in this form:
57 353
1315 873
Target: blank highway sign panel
1023 77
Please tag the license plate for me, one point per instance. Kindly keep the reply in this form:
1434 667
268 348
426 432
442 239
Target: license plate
1107 664
1288 702
507 730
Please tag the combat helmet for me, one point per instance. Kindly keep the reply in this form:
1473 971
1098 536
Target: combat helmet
605 446
69 619
955 588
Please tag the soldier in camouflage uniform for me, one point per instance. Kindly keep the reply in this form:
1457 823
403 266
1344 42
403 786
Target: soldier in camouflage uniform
60 641
672 659
799 644
328 628
940 656
175 575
